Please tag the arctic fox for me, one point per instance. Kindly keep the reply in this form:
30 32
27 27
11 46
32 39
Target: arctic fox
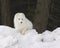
21 23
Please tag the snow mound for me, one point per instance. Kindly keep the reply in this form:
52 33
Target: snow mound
10 38
47 39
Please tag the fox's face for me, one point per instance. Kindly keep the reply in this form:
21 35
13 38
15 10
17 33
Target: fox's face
20 18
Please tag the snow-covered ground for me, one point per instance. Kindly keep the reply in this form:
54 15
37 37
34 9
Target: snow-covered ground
10 38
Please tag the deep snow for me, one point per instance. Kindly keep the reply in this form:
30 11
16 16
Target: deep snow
10 38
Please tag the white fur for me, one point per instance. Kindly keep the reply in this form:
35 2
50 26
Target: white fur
25 25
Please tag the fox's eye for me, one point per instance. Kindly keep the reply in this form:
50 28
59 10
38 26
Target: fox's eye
18 18
22 18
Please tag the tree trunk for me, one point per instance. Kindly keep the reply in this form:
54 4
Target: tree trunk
54 15
0 11
41 16
5 12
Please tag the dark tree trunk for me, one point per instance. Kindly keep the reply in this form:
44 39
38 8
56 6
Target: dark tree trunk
5 12
41 16
0 12
54 15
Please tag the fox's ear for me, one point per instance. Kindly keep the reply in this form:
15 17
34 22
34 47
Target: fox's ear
16 15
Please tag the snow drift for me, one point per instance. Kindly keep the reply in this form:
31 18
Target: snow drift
10 38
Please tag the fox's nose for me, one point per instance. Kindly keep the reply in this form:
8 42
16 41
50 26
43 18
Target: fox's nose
21 22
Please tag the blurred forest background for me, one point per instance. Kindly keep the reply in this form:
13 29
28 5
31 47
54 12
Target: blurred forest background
44 14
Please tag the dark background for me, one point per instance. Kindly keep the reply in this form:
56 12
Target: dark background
44 14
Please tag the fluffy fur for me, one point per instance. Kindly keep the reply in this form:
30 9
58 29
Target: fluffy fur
21 23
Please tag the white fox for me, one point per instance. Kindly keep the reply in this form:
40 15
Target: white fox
21 23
